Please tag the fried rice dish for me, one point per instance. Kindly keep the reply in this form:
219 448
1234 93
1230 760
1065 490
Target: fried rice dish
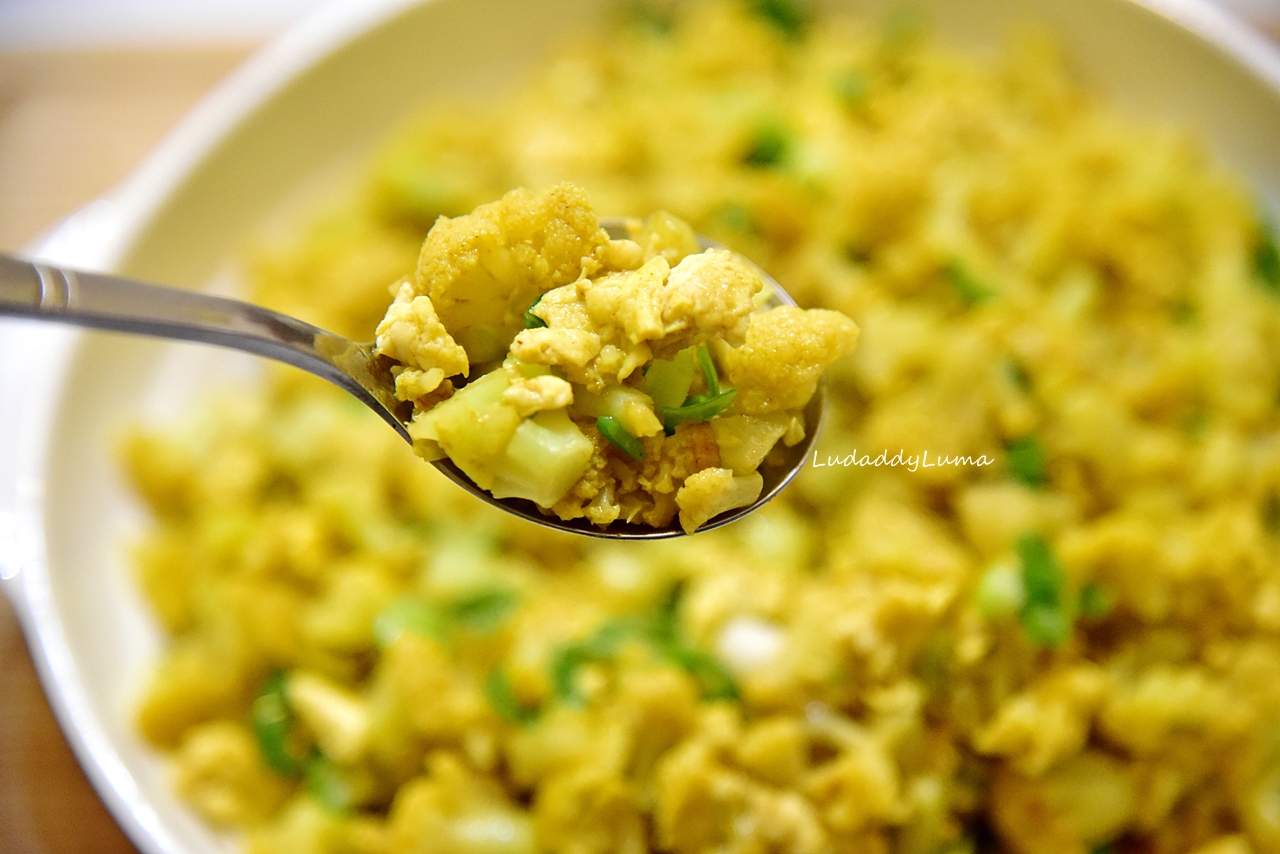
1024 597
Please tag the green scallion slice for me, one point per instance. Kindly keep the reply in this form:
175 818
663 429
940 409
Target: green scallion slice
531 320
564 672
1266 258
1045 617
324 783
612 429
709 372
483 612
771 144
713 678
497 690
966 285
697 408
1025 458
789 17
272 721
1095 601
409 614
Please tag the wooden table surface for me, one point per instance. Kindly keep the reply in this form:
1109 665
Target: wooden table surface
72 125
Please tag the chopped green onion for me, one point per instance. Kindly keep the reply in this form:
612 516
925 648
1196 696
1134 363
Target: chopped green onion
1266 259
603 644
612 429
734 216
855 253
272 720
1196 424
711 675
326 785
770 145
966 285
649 18
697 408
1183 311
273 728
564 672
1017 374
1000 591
408 614
1026 459
497 690
852 87
934 666
613 635
1271 513
422 192
661 632
709 371
1095 601
1045 617
790 17
901 28
483 612
531 320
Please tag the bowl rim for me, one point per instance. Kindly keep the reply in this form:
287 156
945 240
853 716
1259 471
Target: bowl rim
99 237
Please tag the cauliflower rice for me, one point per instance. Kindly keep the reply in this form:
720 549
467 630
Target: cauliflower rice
1075 649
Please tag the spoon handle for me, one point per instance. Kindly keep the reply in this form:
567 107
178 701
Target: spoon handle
44 292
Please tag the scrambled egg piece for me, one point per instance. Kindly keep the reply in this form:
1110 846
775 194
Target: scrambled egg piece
412 334
584 350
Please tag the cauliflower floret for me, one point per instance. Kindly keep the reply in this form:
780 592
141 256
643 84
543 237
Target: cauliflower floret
537 394
704 804
413 335
1021 728
484 269
221 773
785 353
453 810
589 810
711 492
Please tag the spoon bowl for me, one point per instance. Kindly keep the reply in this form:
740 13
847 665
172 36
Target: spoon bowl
40 291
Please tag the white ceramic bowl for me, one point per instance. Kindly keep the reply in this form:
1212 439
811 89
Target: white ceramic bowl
315 101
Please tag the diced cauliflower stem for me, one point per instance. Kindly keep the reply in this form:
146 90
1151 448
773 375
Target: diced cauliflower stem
749 643
339 719
592 327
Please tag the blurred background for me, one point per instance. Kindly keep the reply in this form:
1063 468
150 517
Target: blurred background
87 88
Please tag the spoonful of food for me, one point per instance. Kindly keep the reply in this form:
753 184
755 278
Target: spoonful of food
620 378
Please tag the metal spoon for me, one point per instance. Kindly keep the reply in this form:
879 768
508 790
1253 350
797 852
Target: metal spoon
35 290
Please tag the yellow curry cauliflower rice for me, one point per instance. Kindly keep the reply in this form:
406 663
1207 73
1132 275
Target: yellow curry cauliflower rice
583 353
1075 649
